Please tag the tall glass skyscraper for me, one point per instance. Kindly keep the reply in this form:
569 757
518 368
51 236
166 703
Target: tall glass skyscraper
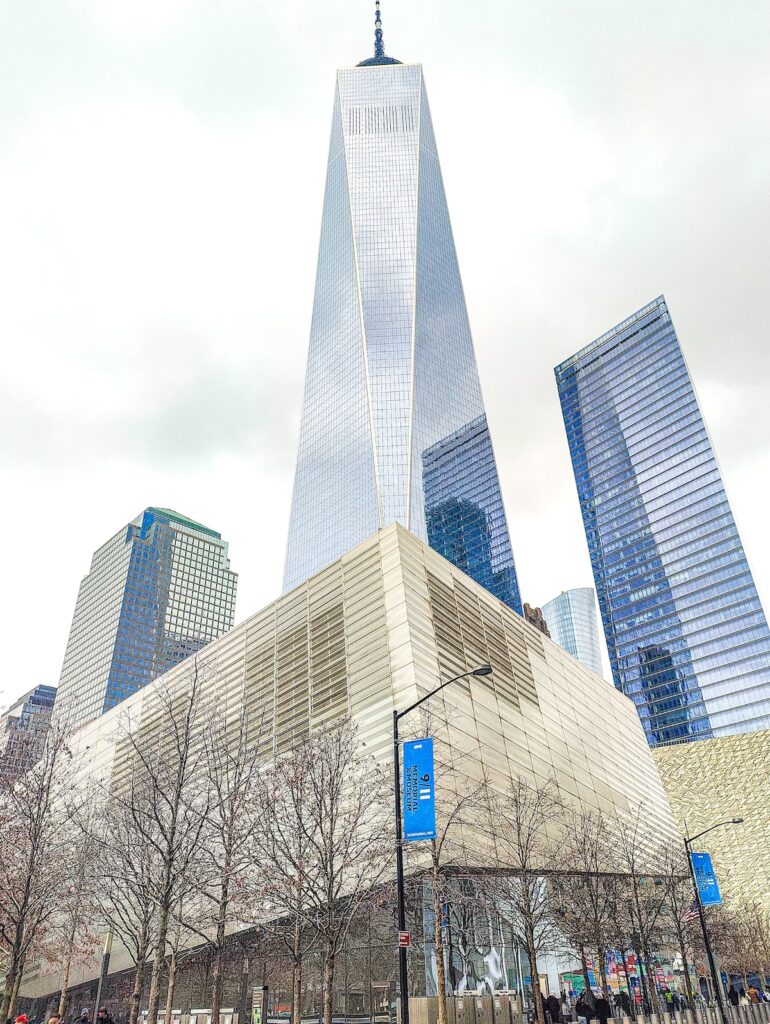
687 637
393 422
157 592
571 620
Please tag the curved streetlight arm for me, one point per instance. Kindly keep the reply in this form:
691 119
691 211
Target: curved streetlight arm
432 693
732 821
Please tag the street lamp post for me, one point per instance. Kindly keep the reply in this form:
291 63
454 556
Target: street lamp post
403 972
717 980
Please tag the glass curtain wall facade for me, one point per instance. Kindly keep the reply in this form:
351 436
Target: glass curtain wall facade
393 422
23 729
571 619
686 634
157 592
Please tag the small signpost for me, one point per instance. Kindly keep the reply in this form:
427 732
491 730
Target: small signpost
404 940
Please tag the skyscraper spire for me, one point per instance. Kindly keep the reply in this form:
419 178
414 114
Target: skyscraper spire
379 46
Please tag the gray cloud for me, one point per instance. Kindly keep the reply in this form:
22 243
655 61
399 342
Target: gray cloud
161 178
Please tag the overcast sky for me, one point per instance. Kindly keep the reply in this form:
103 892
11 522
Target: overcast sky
161 179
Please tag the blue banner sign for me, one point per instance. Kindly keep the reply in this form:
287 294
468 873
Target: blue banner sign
708 887
419 791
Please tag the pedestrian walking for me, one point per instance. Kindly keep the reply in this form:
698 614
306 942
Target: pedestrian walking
104 1016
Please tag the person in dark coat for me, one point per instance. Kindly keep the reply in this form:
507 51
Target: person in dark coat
602 1009
553 1007
582 1009
733 996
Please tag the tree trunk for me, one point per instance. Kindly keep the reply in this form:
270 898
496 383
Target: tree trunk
219 947
10 981
588 992
602 973
534 974
159 960
629 986
438 938
67 969
171 986
296 952
296 992
136 995
328 993
686 969
216 974
652 982
643 979
15 990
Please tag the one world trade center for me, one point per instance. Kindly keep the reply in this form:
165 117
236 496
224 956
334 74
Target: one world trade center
393 423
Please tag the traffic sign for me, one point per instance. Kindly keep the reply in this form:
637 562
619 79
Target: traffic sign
404 940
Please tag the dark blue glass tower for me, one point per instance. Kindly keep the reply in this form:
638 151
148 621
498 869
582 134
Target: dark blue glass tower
687 637
393 421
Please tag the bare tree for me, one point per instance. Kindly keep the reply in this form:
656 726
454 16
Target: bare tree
74 933
679 913
736 940
167 798
344 820
35 834
642 903
286 860
457 797
227 853
584 894
129 868
526 822
757 917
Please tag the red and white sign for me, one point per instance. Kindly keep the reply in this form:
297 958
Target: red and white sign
404 940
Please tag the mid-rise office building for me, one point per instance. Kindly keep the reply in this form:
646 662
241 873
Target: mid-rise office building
23 729
571 619
686 634
157 592
393 421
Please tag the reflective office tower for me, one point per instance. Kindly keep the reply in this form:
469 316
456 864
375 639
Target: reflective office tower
393 422
685 630
157 591
571 619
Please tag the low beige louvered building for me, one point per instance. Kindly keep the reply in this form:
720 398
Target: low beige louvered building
375 630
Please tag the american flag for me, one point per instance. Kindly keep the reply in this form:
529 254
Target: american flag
691 914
